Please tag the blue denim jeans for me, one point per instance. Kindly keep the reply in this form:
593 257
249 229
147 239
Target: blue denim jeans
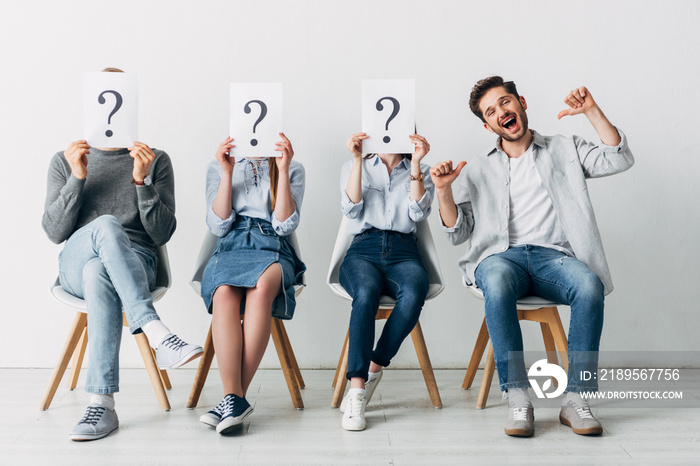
552 275
102 266
379 263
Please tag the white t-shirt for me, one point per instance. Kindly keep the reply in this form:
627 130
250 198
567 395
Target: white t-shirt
532 217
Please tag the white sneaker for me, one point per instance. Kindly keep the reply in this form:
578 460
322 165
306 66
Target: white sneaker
173 352
354 416
370 386
97 422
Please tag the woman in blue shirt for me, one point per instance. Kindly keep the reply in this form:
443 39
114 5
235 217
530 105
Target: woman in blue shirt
252 205
384 196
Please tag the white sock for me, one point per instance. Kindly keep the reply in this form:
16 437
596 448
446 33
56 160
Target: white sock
104 399
373 375
573 397
355 391
519 397
155 332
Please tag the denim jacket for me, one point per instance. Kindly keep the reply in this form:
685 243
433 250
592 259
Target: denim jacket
564 164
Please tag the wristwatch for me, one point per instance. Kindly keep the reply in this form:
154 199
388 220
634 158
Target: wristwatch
146 181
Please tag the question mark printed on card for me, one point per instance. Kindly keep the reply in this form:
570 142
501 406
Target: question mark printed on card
394 112
117 106
263 112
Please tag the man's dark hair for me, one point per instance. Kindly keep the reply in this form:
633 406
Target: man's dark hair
485 85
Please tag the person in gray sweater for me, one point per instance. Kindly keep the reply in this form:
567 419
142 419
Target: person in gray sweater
113 208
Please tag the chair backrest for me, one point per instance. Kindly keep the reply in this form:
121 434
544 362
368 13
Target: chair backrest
207 249
426 248
526 303
163 283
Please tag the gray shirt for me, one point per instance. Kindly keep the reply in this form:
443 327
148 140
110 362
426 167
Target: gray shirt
564 164
147 213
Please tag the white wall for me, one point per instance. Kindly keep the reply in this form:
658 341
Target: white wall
639 59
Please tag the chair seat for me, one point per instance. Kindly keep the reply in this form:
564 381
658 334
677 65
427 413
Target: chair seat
527 303
197 287
434 289
68 299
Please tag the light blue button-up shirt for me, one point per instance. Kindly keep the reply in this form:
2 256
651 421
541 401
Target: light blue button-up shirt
564 164
250 195
385 203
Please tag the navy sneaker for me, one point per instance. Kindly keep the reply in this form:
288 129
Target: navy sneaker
213 417
236 409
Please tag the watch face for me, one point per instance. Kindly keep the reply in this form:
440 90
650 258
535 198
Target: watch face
147 180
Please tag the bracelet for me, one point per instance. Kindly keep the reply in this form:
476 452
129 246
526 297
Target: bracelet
416 178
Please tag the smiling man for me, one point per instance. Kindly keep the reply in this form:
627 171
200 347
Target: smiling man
525 209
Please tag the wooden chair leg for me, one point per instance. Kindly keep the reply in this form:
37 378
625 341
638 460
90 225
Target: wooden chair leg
340 361
78 356
341 381
163 373
292 357
481 341
425 365
152 369
286 363
557 329
549 346
202 371
79 323
489 369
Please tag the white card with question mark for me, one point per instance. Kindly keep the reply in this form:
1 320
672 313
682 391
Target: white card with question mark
388 115
110 109
256 119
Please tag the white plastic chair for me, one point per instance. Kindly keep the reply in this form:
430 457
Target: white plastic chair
532 308
288 361
77 339
428 254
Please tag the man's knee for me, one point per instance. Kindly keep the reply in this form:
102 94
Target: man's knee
497 279
588 287
95 276
108 226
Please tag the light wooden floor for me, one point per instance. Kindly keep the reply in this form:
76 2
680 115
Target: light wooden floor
403 428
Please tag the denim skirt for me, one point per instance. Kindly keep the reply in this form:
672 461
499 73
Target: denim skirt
243 254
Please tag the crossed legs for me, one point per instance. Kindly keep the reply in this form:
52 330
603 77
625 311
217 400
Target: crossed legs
240 346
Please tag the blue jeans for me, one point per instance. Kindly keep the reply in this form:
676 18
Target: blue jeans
552 275
379 263
102 266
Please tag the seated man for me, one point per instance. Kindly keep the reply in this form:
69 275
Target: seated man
525 209
112 216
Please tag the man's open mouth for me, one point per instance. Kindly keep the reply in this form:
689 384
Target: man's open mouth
509 123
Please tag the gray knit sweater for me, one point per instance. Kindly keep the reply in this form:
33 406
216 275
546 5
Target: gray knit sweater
147 213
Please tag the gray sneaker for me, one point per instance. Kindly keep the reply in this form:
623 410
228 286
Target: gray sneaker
578 416
97 422
521 421
173 352
370 386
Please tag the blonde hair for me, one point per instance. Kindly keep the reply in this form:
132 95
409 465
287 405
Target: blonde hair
274 178
112 70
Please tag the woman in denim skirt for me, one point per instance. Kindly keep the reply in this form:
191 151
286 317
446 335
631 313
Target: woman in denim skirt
252 205
383 195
